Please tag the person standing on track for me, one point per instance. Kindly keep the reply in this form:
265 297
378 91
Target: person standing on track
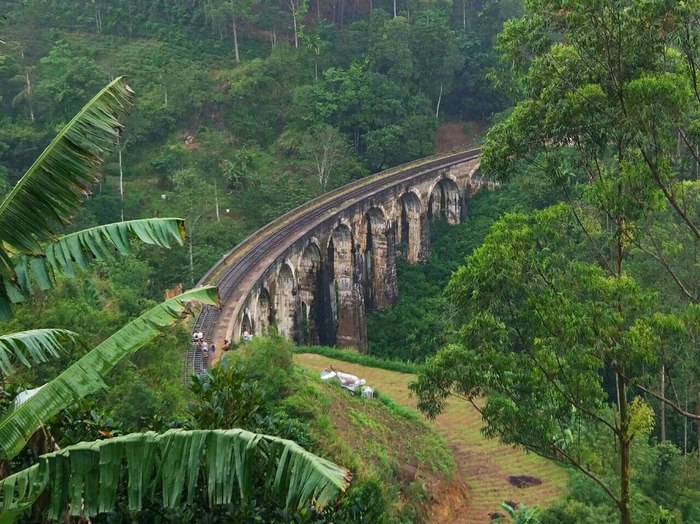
205 353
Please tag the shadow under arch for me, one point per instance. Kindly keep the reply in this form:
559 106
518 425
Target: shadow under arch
409 226
285 301
310 276
340 295
379 260
264 312
445 201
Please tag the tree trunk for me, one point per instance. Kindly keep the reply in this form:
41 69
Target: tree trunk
318 10
190 238
216 200
663 404
437 109
464 14
697 421
191 258
316 69
625 442
97 18
29 97
685 429
121 176
394 8
165 90
296 36
237 57
130 24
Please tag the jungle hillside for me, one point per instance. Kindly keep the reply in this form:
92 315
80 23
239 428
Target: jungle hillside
541 366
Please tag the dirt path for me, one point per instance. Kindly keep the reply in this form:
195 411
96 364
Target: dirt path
484 465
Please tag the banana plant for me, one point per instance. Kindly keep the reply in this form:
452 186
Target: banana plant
86 376
519 514
34 345
33 216
84 478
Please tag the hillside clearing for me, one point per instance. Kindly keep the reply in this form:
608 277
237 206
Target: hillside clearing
484 465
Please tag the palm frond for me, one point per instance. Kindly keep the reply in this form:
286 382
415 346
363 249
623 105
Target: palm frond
86 376
87 476
51 191
81 248
33 346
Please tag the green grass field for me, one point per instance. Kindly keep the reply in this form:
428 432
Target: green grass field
484 465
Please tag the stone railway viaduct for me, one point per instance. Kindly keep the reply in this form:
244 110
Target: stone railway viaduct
315 271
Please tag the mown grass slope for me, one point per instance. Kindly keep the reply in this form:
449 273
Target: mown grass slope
383 444
483 465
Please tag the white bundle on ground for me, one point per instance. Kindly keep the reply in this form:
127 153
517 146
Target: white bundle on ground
348 381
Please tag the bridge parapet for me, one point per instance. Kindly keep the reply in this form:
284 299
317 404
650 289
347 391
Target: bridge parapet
314 271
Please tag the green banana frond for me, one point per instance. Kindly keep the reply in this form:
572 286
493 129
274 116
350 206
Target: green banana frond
86 477
52 190
33 346
81 248
86 376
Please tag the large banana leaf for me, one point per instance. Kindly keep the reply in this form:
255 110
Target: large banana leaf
80 248
36 345
87 476
86 375
51 191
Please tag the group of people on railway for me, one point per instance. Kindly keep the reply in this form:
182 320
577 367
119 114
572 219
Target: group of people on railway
208 349
202 345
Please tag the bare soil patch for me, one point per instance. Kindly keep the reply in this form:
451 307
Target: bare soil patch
455 136
524 481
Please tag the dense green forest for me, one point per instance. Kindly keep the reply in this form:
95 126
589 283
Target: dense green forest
572 322
236 123
577 323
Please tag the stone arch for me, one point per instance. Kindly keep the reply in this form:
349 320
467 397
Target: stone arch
247 323
345 302
379 268
310 279
409 226
264 313
445 201
285 300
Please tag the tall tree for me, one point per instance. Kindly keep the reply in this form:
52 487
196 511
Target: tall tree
607 110
193 195
230 13
298 8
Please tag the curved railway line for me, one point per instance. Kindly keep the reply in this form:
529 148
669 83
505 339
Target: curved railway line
239 270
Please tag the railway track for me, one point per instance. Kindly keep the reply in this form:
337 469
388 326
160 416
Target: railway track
239 270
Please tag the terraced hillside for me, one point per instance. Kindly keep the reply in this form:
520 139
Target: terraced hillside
489 469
